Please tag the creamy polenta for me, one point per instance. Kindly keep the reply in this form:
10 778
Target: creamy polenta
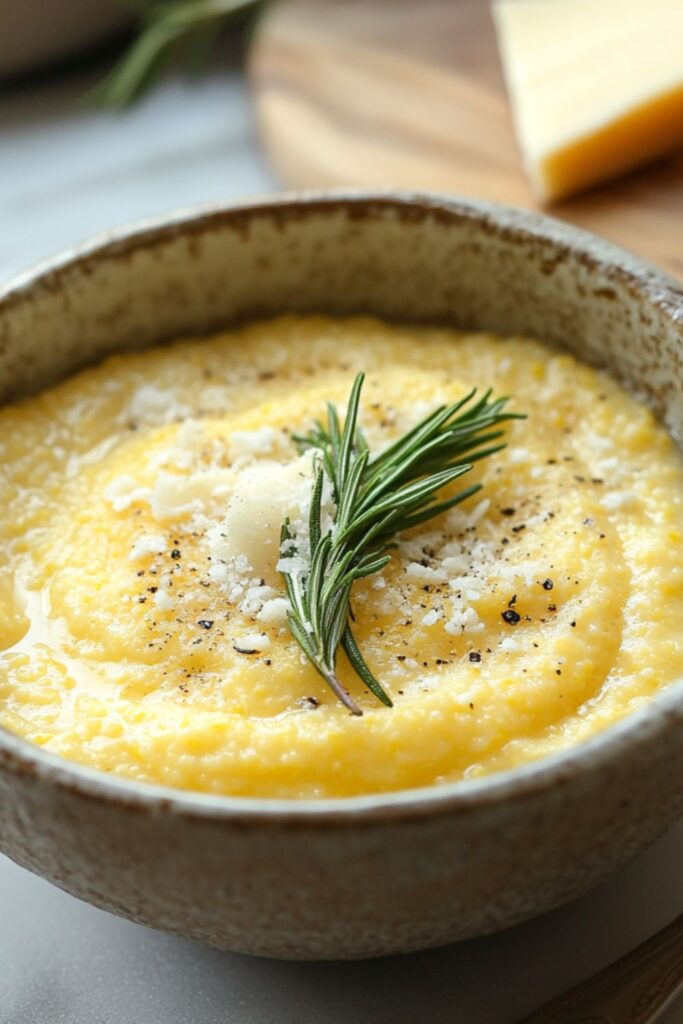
143 619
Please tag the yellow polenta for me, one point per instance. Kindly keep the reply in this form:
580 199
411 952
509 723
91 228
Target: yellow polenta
142 616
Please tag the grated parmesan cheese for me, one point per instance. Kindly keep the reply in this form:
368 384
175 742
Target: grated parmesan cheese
274 612
423 572
519 456
464 621
608 465
156 405
432 617
251 643
623 500
148 544
164 601
216 398
190 435
247 443
175 495
255 598
124 491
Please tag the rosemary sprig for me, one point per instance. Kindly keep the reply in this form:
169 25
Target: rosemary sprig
376 498
168 30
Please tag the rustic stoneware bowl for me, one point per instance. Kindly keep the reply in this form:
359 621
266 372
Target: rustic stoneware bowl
363 876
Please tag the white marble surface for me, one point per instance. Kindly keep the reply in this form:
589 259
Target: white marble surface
65 173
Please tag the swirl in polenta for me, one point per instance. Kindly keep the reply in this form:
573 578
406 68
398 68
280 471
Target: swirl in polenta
143 617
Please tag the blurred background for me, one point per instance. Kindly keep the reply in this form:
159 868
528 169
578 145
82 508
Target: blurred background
70 167
117 110
120 109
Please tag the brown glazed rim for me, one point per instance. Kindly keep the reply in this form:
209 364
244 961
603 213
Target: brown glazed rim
643 281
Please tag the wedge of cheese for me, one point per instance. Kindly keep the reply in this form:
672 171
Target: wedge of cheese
596 86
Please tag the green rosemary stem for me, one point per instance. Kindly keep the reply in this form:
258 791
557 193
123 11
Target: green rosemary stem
176 29
376 498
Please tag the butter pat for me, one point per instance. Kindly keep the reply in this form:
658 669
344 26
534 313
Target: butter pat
596 86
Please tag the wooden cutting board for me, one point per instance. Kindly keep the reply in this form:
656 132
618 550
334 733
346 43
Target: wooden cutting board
410 94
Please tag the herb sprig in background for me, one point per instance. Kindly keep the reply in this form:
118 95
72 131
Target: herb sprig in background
175 30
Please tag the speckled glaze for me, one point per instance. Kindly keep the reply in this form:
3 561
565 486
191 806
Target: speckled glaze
372 875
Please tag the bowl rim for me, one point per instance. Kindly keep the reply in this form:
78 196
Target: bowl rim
597 753
645 279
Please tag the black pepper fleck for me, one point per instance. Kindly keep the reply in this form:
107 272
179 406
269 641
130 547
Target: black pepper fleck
510 616
310 702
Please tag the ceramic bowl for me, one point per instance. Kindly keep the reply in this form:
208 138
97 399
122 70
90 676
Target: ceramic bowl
380 874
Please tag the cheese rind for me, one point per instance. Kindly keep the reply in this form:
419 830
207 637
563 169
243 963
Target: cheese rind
596 88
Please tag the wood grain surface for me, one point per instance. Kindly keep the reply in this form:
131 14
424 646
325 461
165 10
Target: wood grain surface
408 94
635 990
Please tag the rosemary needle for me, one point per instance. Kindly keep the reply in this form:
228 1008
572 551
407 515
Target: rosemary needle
376 498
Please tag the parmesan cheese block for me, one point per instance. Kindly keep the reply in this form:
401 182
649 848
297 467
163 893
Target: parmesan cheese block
596 86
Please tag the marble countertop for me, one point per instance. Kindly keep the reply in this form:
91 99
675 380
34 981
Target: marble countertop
67 172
